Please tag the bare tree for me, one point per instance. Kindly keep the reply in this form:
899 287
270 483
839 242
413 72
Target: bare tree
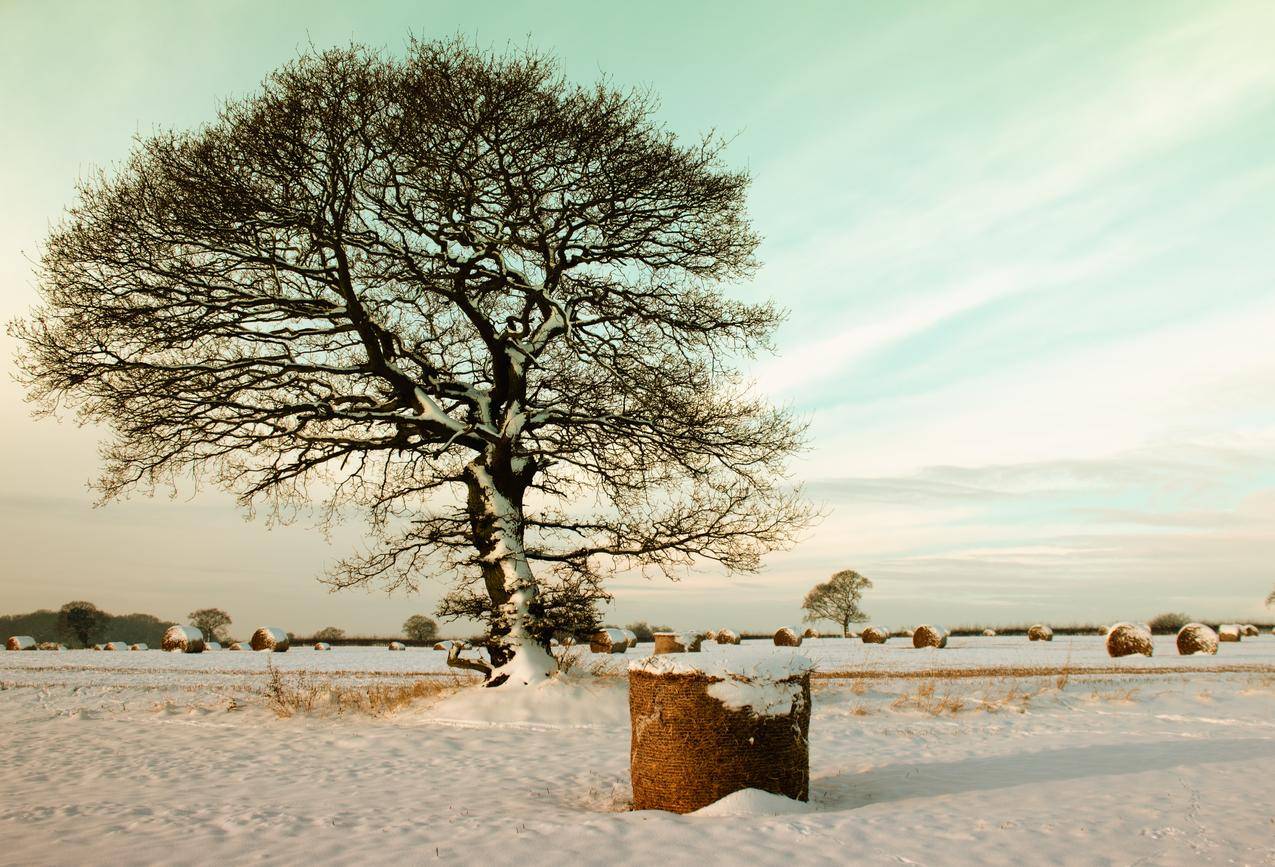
212 622
454 293
837 599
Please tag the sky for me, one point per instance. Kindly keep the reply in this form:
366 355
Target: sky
1026 248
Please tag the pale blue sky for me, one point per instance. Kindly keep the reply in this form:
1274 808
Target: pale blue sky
1026 246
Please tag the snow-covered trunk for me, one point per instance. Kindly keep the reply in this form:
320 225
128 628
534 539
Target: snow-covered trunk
518 658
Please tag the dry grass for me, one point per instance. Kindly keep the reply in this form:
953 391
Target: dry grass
292 693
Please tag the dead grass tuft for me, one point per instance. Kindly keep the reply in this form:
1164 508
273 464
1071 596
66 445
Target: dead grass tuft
292 693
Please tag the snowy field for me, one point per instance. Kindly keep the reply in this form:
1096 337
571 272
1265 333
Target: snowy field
150 757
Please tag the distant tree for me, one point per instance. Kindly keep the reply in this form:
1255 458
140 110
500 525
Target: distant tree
483 305
329 633
82 621
1170 621
837 599
1270 600
212 622
418 627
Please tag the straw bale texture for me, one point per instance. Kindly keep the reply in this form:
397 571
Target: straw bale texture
786 636
1196 638
270 638
926 635
609 641
20 642
688 749
1040 632
1126 639
677 642
874 635
186 639
1229 632
727 636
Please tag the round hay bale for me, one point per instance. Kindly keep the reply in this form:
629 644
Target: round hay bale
1229 632
677 642
693 743
926 635
875 635
97 647
786 636
238 645
609 641
20 642
116 645
726 636
396 645
631 637
906 633
989 633
183 639
1040 632
270 638
322 645
1249 630
1126 639
810 632
138 646
710 635
212 645
1196 638
50 645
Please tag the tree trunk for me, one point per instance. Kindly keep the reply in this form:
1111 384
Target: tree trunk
495 502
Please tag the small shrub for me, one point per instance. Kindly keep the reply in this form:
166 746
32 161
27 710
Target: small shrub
1170 621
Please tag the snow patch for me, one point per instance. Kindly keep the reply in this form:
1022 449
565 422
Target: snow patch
753 802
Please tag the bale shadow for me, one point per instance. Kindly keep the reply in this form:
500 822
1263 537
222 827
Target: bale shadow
901 782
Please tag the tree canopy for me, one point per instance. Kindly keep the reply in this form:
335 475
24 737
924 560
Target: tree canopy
452 292
837 599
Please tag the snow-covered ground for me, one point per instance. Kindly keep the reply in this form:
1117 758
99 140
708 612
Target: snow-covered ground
149 757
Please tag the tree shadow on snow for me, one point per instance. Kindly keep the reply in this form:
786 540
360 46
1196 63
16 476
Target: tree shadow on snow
900 782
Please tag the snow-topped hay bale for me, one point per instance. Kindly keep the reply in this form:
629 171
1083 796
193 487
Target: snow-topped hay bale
678 642
445 644
786 636
212 645
1229 632
989 633
630 636
701 733
926 635
1126 639
322 645
270 638
810 632
396 645
1040 632
609 641
1249 630
141 645
97 647
710 634
183 639
727 636
874 635
238 645
1196 638
20 642
906 633
50 645
116 645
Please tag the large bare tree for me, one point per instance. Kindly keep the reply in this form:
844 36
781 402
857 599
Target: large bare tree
451 291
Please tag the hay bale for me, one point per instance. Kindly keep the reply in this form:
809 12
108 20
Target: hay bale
609 641
631 636
1196 638
1229 632
270 638
97 647
786 636
694 741
396 645
138 646
677 642
727 636
926 635
1126 639
810 632
20 642
1249 630
50 645
1040 632
710 635
212 645
906 633
875 635
116 645
238 645
322 645
989 633
183 639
